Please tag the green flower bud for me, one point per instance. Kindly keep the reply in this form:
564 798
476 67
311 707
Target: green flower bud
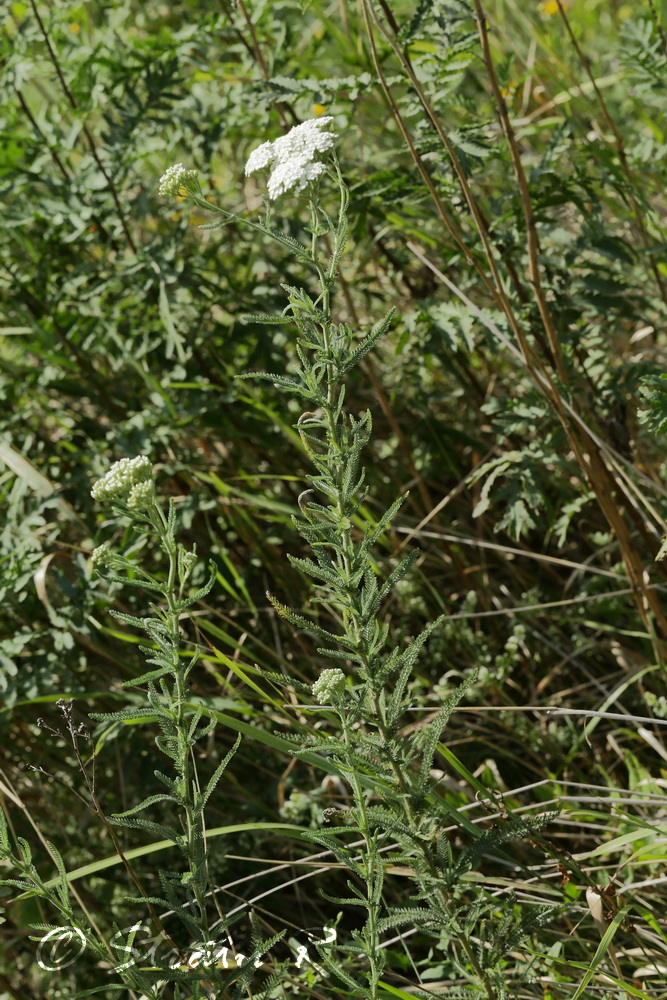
142 496
188 561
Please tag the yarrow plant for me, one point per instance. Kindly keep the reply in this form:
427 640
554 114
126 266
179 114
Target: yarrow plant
129 488
398 812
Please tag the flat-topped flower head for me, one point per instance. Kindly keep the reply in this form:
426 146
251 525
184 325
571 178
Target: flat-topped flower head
305 140
122 477
174 179
294 157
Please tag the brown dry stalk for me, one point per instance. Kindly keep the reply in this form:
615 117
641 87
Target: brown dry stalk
601 479
254 49
526 204
595 470
419 163
586 450
655 17
481 222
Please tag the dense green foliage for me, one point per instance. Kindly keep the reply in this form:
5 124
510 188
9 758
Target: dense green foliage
506 167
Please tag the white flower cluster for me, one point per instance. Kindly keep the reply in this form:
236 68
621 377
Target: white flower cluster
122 478
329 684
293 157
174 179
102 555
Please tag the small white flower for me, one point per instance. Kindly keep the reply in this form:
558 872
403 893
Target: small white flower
330 683
174 179
119 481
294 156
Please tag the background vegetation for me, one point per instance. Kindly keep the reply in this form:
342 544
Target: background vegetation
507 187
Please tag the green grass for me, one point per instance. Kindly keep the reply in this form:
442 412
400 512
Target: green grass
120 335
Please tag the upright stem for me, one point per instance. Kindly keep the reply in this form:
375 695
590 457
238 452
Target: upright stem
332 430
369 859
352 617
193 820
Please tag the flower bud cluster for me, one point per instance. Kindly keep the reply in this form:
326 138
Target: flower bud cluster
188 562
142 496
120 481
294 157
102 555
174 179
329 685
